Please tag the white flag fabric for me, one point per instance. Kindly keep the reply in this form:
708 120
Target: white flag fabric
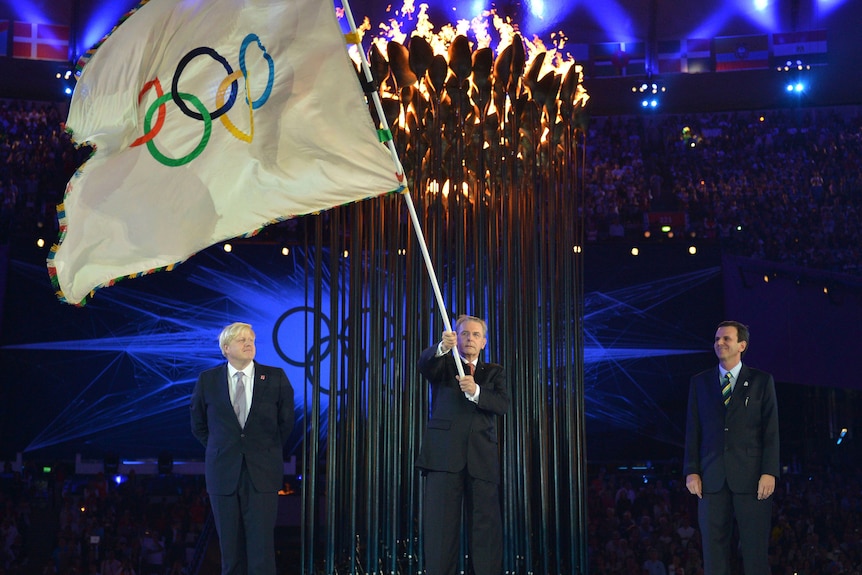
210 119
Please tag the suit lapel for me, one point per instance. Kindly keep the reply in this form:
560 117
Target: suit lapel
479 373
715 384
261 378
223 385
743 383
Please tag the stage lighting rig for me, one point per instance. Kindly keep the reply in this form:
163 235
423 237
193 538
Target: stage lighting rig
67 77
650 92
794 66
799 70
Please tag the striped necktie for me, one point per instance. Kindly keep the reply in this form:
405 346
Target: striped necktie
725 388
239 401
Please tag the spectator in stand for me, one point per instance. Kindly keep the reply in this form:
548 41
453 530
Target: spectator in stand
653 565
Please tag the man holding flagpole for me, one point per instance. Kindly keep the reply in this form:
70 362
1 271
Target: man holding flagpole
460 455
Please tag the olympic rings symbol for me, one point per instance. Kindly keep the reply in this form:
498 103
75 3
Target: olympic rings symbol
198 111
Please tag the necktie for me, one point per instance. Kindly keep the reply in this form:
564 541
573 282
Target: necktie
471 367
239 403
725 388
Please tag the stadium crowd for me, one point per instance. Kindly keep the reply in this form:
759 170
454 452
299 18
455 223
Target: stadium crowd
639 522
780 185
60 523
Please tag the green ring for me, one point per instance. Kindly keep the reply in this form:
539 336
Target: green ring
208 127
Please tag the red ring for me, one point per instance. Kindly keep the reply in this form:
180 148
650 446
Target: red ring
160 119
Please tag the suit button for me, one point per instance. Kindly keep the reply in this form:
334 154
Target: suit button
242 435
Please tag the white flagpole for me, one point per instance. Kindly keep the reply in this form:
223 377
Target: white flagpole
355 38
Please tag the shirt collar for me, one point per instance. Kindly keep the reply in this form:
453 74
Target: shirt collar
248 371
734 371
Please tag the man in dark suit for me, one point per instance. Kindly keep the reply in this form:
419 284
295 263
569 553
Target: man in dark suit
459 455
242 412
731 454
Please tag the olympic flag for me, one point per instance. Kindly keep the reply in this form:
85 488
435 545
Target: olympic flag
210 119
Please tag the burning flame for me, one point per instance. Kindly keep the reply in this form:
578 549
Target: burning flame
479 29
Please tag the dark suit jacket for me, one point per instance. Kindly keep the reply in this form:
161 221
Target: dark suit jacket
462 433
739 442
269 424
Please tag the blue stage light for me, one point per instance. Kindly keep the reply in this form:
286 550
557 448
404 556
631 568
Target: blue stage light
841 436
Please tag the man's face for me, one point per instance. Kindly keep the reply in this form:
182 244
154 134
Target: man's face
728 348
240 351
471 339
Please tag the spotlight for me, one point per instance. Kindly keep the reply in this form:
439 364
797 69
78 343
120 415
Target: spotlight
799 86
841 436
651 90
649 87
66 76
794 65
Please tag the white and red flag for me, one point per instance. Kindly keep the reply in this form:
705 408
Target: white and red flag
35 41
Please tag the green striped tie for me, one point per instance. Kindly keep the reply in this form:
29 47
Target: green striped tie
725 388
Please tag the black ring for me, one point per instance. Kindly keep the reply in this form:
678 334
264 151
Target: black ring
175 94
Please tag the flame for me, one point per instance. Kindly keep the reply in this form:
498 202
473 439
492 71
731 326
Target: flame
486 30
477 28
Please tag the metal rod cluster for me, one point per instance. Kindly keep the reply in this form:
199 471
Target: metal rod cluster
493 151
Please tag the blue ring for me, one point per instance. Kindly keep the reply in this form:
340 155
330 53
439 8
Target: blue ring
265 96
